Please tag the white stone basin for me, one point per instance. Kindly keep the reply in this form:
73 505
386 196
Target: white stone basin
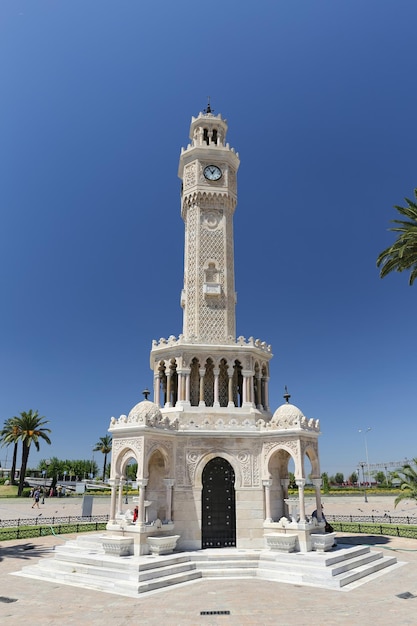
322 542
118 546
162 545
281 542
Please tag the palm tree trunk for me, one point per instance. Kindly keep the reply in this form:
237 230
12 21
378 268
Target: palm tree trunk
25 456
14 461
104 468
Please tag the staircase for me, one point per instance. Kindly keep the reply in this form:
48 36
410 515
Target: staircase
339 568
83 563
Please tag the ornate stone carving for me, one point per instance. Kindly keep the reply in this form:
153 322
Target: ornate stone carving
190 177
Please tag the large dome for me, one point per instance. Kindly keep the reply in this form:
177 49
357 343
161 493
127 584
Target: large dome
287 416
145 412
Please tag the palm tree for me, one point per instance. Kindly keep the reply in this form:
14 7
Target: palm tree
32 428
402 255
408 477
10 435
104 445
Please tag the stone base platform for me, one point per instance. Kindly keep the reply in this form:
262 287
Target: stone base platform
83 563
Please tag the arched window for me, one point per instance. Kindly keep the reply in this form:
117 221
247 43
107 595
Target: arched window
223 383
194 382
209 383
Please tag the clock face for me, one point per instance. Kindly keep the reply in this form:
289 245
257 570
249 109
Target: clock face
212 172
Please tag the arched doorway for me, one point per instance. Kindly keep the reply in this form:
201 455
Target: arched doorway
218 505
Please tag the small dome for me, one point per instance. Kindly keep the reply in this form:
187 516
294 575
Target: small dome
145 412
287 416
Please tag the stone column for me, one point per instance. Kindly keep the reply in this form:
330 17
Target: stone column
231 403
266 389
142 482
244 389
112 483
202 372
259 392
216 373
168 402
300 484
187 386
285 484
156 388
267 485
122 482
169 483
317 485
180 387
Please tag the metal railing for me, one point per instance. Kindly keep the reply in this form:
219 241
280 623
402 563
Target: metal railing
27 532
40 520
374 519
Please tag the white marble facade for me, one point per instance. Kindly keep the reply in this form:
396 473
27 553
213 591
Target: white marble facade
210 452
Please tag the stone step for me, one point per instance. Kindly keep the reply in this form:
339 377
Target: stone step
341 571
365 570
229 572
131 575
167 570
165 581
227 564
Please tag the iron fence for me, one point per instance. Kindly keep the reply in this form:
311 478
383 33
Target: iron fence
52 521
27 532
363 528
374 519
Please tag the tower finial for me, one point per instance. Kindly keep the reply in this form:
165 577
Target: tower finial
208 109
287 396
146 393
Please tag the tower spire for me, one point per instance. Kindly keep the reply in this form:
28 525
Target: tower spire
208 109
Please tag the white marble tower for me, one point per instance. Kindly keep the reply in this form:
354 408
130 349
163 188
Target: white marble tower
212 459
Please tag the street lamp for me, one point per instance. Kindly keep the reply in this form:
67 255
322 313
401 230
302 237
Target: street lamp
45 474
92 463
365 432
363 480
44 486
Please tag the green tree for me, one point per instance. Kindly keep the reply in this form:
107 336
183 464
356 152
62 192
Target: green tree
10 435
402 255
353 478
407 476
379 477
31 430
325 482
104 445
339 478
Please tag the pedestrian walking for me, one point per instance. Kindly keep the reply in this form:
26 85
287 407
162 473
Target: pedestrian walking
36 497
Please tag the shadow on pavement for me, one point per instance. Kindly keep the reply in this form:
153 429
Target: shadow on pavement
24 551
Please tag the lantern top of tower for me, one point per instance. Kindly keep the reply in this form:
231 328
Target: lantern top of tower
208 123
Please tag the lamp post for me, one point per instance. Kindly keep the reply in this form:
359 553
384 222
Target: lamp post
365 432
363 480
44 486
45 474
92 463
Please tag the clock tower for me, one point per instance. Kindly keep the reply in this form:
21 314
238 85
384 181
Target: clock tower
208 168
212 458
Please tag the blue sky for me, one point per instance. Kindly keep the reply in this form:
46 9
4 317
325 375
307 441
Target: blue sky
97 97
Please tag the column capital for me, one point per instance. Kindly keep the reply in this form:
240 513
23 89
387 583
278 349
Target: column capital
267 483
317 482
142 482
169 482
300 482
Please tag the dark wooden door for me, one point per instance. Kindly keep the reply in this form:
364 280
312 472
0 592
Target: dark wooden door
218 505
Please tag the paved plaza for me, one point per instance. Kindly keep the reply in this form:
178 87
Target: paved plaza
375 603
